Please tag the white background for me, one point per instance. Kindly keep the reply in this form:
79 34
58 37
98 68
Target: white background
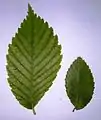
78 26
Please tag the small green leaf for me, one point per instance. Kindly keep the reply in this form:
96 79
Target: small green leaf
33 60
79 84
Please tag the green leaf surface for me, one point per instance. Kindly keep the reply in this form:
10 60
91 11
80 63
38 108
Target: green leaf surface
79 84
33 60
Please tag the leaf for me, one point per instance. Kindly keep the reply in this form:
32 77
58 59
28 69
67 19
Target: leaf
33 60
79 84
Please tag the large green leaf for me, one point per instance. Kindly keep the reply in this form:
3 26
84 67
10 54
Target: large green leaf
79 84
33 60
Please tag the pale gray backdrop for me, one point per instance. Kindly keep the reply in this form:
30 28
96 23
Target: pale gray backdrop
78 25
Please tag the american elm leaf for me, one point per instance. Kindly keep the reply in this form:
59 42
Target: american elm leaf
79 84
33 60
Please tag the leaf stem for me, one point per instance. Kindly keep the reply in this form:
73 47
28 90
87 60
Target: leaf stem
33 110
74 109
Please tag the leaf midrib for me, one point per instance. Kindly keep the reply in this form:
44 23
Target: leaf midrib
31 16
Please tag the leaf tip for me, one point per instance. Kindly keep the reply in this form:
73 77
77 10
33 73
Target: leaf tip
29 8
